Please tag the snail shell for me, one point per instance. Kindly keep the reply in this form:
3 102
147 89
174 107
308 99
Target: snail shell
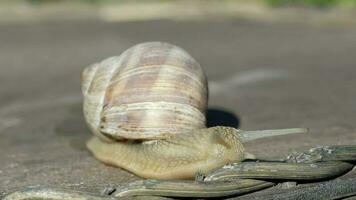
150 90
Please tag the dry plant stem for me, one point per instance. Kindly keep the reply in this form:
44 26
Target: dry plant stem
180 156
191 189
280 171
316 163
326 153
52 194
334 189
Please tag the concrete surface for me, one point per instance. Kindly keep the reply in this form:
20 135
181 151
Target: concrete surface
270 75
123 11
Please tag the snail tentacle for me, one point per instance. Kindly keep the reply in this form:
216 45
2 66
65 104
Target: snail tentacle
258 134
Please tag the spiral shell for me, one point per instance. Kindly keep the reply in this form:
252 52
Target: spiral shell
150 91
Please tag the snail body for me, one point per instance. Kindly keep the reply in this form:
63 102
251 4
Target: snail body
177 157
147 108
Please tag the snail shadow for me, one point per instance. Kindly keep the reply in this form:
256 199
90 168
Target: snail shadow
221 117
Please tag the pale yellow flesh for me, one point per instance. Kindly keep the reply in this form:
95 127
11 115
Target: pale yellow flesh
178 157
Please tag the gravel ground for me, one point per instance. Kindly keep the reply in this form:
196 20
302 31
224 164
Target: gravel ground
262 75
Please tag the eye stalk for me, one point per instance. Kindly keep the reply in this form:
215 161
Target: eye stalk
258 134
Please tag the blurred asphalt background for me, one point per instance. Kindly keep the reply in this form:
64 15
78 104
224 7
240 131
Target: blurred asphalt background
268 73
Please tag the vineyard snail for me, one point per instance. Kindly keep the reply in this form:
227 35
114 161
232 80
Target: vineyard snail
147 108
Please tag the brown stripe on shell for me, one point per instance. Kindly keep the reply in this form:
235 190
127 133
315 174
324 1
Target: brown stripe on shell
124 58
171 80
115 124
145 118
150 120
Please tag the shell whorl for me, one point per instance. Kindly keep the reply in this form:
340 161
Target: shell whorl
150 90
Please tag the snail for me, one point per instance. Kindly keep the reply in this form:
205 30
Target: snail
146 108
